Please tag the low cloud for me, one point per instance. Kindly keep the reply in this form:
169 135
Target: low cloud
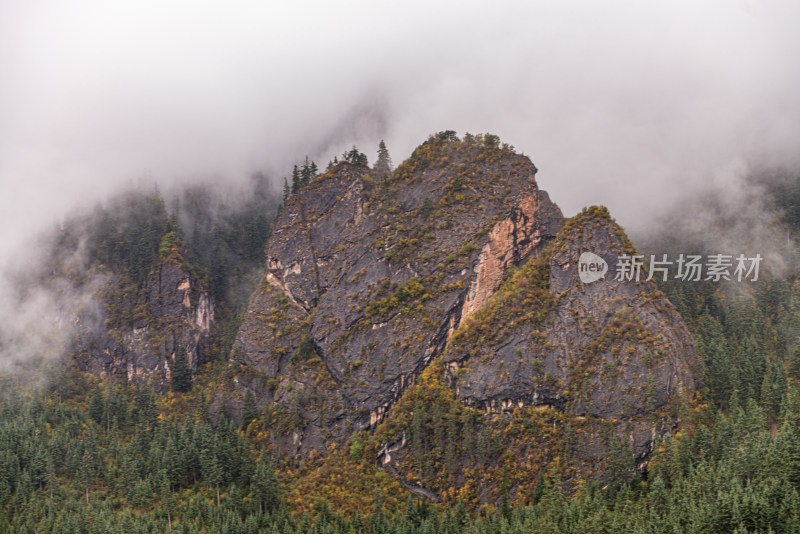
635 105
41 310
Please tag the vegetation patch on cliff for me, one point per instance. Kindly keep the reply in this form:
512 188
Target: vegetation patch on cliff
524 298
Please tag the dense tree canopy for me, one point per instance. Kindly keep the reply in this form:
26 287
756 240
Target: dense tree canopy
96 456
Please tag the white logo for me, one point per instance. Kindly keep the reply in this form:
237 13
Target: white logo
591 267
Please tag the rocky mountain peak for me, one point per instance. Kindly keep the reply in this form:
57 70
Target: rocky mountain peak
375 276
447 294
610 350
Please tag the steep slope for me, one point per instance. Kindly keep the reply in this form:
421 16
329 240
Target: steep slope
610 349
552 377
459 270
144 329
365 281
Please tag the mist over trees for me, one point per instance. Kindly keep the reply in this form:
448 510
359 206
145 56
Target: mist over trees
636 106
84 454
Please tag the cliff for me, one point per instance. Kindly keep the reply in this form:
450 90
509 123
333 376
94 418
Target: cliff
608 350
375 277
143 329
432 322
459 268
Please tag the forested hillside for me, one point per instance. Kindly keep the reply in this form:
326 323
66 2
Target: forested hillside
94 451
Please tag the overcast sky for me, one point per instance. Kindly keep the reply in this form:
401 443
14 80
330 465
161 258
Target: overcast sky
630 104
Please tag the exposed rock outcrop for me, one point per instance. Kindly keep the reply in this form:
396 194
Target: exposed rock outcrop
171 312
534 220
375 277
614 349
457 259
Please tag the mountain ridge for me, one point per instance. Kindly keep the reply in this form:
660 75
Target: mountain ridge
376 278
454 269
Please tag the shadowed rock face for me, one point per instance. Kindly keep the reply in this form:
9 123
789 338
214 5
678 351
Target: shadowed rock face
172 311
612 349
377 277
457 256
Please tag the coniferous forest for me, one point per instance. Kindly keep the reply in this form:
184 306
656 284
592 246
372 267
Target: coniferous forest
89 454
249 283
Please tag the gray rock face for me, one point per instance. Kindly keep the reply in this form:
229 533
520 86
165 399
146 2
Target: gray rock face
457 256
171 312
377 276
611 349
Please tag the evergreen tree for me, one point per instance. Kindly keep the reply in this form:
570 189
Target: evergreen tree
383 165
181 373
794 363
296 179
249 410
165 496
305 173
97 405
265 486
354 157
145 410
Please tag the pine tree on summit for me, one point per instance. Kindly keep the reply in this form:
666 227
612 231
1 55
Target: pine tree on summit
308 172
383 166
296 180
305 173
354 157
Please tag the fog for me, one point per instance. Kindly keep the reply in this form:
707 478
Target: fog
637 105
